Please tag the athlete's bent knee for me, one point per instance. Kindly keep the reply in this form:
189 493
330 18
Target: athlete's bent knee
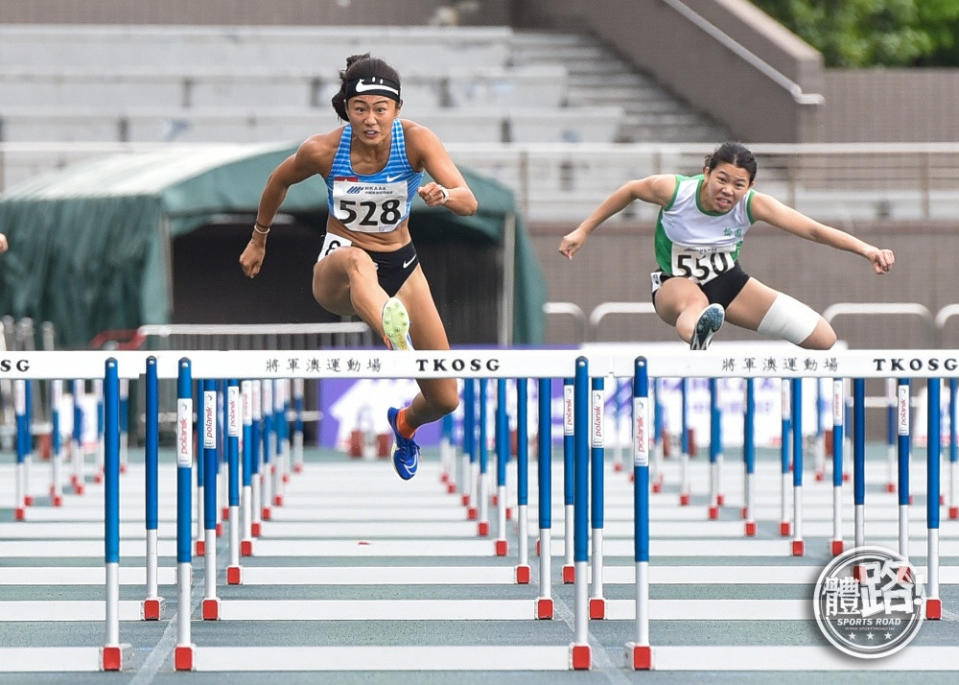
790 319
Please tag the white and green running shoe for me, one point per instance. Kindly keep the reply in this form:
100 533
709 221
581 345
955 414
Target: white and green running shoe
710 320
396 325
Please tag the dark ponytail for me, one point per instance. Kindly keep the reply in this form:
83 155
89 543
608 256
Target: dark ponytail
361 67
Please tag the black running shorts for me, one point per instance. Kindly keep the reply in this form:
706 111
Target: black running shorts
721 290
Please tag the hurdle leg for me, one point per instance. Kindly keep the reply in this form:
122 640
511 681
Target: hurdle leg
749 457
211 603
798 545
639 655
580 650
933 602
785 525
838 404
544 457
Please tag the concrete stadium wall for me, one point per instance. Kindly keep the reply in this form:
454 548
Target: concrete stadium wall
658 39
616 261
891 105
278 12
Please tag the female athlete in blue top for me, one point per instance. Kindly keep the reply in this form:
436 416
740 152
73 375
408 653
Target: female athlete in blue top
367 265
699 232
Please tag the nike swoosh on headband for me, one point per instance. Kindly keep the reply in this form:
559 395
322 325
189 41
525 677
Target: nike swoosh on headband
362 87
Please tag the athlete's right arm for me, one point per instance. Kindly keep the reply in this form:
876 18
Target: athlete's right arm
312 157
657 189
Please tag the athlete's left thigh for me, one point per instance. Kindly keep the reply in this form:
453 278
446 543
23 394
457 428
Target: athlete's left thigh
751 304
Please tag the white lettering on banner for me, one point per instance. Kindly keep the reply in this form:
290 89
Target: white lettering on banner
640 431
598 405
184 432
209 419
568 410
233 394
837 404
787 412
246 392
903 410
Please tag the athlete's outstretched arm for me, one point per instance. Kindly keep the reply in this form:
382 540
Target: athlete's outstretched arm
772 211
448 186
657 189
299 166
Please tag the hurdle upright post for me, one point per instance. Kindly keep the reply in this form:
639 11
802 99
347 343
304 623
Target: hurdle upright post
266 471
246 500
470 465
111 656
749 457
522 574
820 455
152 606
544 456
715 451
785 525
933 602
76 444
256 478
684 445
297 425
482 480
597 603
892 424
447 454
56 443
211 603
569 569
184 652
580 652
124 424
902 426
798 545
639 653
200 545
657 476
953 453
859 458
23 430
838 429
502 457
233 571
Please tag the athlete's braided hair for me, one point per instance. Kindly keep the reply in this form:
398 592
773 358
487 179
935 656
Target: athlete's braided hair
360 66
736 154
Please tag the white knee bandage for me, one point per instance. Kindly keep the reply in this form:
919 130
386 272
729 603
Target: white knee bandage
790 319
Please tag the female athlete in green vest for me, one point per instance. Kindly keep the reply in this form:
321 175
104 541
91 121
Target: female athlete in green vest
702 222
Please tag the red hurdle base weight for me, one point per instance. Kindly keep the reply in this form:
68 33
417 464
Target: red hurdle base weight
799 548
246 548
934 609
211 609
183 657
954 512
544 609
750 528
482 528
580 657
152 609
200 548
111 657
523 574
640 656
836 547
784 528
569 574
684 500
597 608
502 548
233 575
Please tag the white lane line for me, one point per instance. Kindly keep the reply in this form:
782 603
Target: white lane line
378 610
80 575
49 659
440 548
384 658
64 610
799 658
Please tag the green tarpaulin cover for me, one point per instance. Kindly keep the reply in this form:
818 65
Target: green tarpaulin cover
90 244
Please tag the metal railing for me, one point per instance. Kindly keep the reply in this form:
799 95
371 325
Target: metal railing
834 182
588 328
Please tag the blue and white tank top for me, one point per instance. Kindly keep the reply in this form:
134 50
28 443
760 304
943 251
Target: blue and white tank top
375 203
695 242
